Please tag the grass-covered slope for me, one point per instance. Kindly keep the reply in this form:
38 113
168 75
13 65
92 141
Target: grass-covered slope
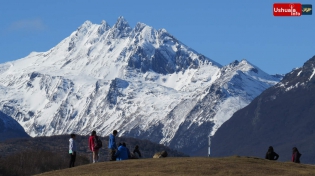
190 166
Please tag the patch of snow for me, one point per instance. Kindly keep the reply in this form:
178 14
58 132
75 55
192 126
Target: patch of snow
299 73
312 74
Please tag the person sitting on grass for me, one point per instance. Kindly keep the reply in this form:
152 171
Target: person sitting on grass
136 153
296 155
271 155
122 153
129 154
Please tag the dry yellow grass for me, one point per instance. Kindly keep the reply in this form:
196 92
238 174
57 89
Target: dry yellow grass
190 166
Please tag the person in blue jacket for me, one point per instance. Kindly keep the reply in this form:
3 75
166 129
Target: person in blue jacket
128 151
122 153
112 146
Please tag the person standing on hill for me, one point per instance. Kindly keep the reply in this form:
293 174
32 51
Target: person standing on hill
92 146
271 155
296 155
72 150
112 145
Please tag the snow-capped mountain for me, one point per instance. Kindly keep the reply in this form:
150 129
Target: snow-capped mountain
141 81
281 116
237 85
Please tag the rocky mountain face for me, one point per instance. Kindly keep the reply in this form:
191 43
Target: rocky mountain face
282 117
141 81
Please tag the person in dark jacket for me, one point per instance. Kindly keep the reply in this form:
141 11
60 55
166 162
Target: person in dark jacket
112 145
296 155
136 150
72 150
122 153
271 155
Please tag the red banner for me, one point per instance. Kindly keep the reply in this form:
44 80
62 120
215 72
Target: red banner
287 9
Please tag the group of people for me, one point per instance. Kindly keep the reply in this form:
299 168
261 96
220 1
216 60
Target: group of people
115 153
123 153
271 155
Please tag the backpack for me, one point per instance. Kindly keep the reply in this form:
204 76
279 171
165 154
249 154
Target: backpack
97 143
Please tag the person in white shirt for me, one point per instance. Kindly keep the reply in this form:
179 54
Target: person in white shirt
72 150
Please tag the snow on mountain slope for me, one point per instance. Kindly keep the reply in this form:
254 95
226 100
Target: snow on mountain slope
238 84
141 81
298 79
281 116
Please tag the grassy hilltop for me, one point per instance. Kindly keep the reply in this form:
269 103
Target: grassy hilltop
190 166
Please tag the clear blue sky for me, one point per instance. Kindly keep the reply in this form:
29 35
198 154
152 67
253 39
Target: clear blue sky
223 30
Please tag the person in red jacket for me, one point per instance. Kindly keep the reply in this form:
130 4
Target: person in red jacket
92 139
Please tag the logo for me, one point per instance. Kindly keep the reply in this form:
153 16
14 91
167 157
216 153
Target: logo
306 9
287 9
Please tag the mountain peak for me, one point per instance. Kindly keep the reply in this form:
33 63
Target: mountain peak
243 66
301 75
244 61
310 63
121 29
162 30
234 63
121 23
139 26
103 27
86 24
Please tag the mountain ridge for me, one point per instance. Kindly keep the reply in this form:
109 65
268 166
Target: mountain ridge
140 80
282 117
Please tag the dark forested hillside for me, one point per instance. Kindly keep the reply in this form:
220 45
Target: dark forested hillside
283 116
28 156
10 128
60 144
